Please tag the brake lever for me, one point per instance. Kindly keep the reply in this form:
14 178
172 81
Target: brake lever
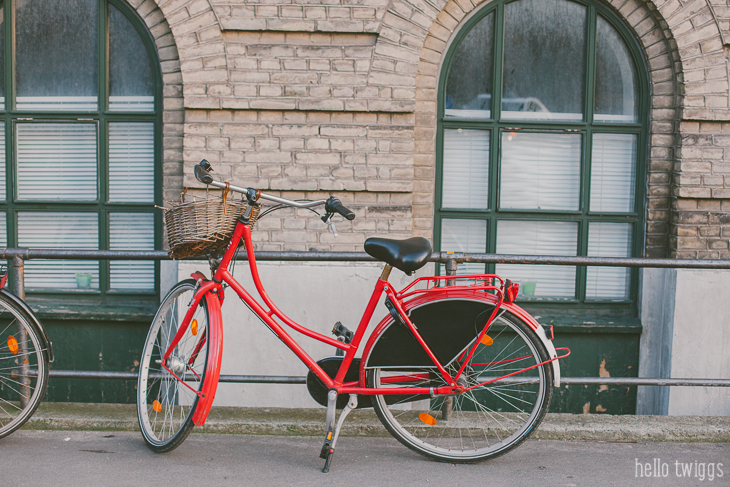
327 218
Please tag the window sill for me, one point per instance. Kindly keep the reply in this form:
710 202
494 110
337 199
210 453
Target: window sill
143 313
591 324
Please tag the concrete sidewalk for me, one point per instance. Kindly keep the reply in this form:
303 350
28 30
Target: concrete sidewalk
364 423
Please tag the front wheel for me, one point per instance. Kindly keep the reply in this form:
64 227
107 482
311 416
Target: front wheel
23 366
484 422
165 405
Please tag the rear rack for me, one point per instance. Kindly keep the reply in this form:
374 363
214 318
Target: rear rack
475 282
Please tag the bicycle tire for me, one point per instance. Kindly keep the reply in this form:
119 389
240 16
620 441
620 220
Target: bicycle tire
24 366
157 389
503 415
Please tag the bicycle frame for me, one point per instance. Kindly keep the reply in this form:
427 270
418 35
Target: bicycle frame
212 291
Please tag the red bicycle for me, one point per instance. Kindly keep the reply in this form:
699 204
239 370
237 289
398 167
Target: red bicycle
455 370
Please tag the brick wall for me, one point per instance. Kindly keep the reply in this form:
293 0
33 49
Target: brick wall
701 217
301 16
363 158
309 97
173 114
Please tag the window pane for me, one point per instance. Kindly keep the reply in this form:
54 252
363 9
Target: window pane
608 240
57 161
613 172
2 160
131 162
469 86
3 230
464 236
615 77
131 85
57 58
60 231
540 171
466 169
544 60
132 231
539 238
2 58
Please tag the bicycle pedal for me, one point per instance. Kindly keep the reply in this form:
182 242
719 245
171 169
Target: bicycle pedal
342 331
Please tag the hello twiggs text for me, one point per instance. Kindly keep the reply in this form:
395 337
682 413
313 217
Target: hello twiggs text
693 469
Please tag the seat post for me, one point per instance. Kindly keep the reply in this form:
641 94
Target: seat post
386 272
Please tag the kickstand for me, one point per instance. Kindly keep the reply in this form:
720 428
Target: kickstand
333 432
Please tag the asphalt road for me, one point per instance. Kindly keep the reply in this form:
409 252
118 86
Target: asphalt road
75 458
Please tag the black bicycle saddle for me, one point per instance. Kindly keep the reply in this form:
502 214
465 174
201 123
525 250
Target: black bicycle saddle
407 255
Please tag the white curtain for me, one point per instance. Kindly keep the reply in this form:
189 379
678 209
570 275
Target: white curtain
131 162
613 173
2 161
539 238
466 169
132 231
464 236
3 230
131 103
540 171
57 161
608 240
59 230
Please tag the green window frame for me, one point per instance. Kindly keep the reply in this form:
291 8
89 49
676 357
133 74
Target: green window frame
489 217
101 118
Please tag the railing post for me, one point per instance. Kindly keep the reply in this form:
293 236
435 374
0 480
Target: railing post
22 359
19 273
451 266
446 410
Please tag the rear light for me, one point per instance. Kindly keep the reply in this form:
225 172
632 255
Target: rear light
552 333
511 290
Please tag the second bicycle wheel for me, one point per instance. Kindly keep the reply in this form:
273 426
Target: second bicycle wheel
484 422
23 366
165 405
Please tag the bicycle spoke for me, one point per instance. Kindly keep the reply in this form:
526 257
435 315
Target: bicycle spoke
480 422
168 415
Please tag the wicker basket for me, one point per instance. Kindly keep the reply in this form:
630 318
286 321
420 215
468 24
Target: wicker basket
203 227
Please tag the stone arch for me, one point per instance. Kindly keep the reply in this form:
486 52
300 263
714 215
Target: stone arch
201 48
665 76
172 94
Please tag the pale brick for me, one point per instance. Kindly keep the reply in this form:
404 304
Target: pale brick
318 158
263 157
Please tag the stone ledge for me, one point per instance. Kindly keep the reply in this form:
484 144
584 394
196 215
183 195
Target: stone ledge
309 422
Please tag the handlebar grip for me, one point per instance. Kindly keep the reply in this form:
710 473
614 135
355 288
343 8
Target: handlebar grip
335 205
202 172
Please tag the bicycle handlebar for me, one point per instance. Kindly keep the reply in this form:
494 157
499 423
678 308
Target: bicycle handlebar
202 174
335 205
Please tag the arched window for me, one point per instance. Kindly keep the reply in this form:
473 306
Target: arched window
80 95
542 127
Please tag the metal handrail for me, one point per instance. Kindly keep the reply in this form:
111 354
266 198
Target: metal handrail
441 257
277 379
18 256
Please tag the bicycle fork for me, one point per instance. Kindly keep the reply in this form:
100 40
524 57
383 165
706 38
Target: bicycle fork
333 431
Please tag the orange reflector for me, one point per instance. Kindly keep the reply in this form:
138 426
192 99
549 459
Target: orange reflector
329 435
487 340
428 419
13 344
156 406
194 327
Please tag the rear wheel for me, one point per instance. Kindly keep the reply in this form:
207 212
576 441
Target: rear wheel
23 367
165 405
484 422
